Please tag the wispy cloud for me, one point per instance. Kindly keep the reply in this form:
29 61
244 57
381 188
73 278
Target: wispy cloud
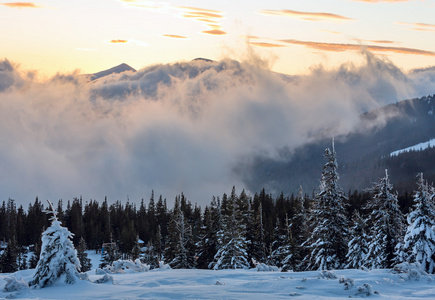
190 8
308 16
214 32
119 41
337 47
210 17
206 16
21 5
377 41
129 41
419 26
174 36
266 45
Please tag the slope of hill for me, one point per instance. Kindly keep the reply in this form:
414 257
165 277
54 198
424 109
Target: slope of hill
363 156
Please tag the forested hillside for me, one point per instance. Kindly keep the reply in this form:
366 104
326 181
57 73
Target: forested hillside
363 155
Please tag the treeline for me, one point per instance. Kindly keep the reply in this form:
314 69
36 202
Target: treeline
264 218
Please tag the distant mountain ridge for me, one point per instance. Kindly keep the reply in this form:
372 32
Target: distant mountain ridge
362 156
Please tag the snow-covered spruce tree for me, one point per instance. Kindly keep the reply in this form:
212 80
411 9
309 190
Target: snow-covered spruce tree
184 256
327 245
232 253
8 260
358 245
171 244
283 253
136 250
150 256
419 244
58 257
258 243
85 261
34 258
111 254
387 225
208 243
299 230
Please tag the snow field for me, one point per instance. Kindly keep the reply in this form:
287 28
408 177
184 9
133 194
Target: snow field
233 284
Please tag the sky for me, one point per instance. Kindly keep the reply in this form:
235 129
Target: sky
53 36
284 73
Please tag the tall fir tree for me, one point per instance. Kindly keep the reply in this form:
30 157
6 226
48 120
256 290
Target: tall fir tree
171 243
299 230
419 244
85 261
109 254
150 256
283 254
58 257
207 245
387 225
8 260
184 255
358 245
136 250
33 261
232 252
327 245
258 243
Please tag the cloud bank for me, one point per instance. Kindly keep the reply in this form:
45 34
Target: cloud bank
174 128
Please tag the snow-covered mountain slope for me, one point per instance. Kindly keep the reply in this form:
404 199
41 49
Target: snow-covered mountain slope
418 147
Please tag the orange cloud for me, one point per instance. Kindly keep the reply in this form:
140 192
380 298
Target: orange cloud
309 16
208 21
209 17
377 41
383 42
118 41
266 45
355 47
175 36
21 5
214 32
419 26
253 37
202 14
200 9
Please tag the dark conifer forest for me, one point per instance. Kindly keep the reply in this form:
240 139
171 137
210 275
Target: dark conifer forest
264 220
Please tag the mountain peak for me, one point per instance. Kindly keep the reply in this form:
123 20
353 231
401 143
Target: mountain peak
202 59
115 70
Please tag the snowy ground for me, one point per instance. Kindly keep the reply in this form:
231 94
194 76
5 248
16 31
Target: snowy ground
233 284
